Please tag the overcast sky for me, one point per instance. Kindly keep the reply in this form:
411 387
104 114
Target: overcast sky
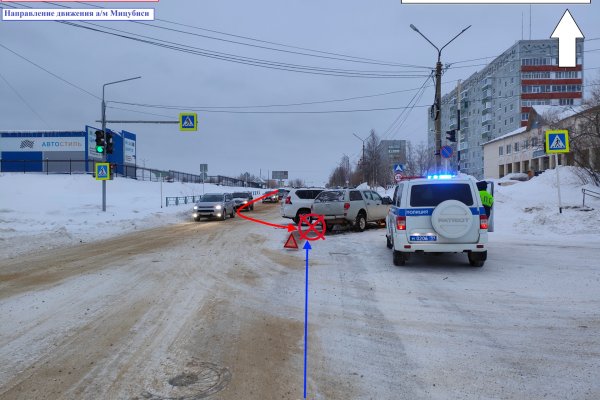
307 145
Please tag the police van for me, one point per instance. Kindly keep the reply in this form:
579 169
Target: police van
437 214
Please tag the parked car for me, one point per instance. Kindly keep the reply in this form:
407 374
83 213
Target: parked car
444 214
241 198
298 202
214 205
351 207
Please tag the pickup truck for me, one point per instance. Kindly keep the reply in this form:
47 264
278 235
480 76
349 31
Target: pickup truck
351 207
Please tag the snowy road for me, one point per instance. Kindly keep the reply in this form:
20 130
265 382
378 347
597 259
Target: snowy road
215 310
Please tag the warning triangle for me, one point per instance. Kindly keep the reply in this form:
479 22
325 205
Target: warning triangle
291 242
557 143
187 123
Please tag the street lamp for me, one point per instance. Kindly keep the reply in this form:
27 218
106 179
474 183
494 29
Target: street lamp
104 132
438 94
363 156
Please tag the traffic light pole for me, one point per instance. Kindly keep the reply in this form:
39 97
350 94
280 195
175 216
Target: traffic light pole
104 152
104 133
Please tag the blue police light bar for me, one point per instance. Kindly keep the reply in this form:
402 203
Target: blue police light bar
443 176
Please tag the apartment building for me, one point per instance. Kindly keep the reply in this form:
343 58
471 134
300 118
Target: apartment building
497 100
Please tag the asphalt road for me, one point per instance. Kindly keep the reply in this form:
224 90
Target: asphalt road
216 310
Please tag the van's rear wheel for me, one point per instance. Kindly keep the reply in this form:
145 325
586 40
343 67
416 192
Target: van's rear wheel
389 243
477 259
399 258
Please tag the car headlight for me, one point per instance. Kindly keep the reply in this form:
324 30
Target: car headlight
245 201
195 207
218 207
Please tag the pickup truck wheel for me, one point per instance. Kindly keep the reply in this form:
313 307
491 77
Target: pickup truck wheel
399 258
361 222
300 213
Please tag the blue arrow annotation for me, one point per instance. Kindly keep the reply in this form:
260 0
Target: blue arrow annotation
306 247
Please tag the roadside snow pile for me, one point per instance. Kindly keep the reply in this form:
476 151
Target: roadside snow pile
48 211
532 207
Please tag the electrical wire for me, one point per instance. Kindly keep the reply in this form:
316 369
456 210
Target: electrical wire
24 101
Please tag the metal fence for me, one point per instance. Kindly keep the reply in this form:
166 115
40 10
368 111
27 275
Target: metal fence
70 166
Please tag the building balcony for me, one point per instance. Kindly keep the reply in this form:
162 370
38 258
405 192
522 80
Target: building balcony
487 94
486 83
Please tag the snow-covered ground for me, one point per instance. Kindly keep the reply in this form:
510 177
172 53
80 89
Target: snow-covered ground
49 211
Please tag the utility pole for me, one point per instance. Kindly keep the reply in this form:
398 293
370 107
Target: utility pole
363 156
458 89
438 95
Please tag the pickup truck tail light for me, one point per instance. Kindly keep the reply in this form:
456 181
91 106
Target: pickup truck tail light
401 223
346 206
288 200
483 222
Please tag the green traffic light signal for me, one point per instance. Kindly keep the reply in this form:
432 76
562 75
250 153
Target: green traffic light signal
99 149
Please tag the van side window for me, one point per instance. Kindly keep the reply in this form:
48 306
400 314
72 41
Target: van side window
376 196
398 195
367 195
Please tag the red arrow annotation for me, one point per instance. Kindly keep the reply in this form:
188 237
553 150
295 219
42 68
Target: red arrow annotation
290 227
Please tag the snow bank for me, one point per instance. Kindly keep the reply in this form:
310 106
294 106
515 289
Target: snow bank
47 211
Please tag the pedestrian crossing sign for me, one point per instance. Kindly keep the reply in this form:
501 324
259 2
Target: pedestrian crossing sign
557 141
188 122
102 171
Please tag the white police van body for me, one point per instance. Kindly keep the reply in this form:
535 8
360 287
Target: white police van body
437 214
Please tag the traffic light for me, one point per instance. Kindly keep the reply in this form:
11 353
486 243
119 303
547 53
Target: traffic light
100 142
109 142
451 135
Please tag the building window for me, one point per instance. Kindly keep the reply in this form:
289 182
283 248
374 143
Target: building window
508 149
567 75
526 144
516 145
534 142
524 116
512 119
500 150
511 106
565 102
505 122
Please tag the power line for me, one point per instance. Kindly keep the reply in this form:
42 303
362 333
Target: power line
351 58
49 72
24 101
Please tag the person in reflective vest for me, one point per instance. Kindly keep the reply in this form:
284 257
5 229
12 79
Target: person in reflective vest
486 198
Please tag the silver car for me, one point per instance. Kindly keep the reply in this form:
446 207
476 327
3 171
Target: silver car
214 205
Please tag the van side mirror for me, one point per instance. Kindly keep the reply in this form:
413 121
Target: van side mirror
386 200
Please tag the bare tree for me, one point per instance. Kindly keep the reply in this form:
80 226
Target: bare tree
342 173
297 183
420 160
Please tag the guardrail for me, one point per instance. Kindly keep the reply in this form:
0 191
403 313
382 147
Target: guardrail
589 193
78 166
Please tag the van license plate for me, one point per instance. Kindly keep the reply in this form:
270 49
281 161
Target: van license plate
423 238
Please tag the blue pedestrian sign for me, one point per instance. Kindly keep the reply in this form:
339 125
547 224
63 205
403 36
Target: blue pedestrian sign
102 171
446 151
557 141
188 122
398 168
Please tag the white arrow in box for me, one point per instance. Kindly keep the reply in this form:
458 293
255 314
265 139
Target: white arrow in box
567 32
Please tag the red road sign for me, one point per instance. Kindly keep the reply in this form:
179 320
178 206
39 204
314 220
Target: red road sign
291 242
398 177
317 220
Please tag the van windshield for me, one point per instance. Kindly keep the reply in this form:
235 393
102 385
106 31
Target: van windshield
430 195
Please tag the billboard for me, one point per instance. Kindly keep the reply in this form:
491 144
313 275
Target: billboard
279 175
44 144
